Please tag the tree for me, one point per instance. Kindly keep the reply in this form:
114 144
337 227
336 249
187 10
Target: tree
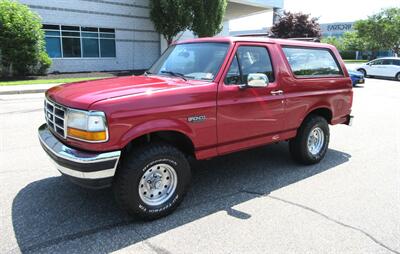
207 16
351 41
381 31
296 25
21 40
170 17
335 41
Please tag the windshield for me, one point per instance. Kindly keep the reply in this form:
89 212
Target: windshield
199 61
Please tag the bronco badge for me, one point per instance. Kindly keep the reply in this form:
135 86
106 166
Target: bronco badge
196 119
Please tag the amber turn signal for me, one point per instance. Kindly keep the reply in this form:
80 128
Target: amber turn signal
87 135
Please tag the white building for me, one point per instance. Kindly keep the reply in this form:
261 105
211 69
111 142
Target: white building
336 29
105 35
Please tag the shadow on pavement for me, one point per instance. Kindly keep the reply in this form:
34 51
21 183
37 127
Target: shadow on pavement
53 215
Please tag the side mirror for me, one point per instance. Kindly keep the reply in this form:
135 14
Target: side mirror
257 80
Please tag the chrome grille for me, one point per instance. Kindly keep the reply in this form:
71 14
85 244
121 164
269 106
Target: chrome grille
55 117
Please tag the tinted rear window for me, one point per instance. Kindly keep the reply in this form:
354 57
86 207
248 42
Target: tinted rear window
312 62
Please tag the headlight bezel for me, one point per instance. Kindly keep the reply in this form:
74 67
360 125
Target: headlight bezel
87 114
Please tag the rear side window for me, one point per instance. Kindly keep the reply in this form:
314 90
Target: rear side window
396 62
387 62
312 62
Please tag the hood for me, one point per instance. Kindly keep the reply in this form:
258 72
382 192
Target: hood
81 95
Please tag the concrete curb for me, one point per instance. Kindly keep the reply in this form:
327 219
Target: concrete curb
25 89
22 91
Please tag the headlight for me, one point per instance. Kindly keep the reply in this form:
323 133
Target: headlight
88 126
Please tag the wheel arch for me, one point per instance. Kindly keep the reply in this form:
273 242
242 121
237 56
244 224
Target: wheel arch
363 70
324 112
169 131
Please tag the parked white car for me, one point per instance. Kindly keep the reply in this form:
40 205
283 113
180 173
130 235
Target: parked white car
382 67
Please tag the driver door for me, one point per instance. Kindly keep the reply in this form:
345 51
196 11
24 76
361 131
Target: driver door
375 68
248 116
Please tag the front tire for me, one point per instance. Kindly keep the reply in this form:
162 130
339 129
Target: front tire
364 72
398 76
311 142
152 181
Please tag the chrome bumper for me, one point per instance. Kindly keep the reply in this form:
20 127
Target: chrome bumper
76 164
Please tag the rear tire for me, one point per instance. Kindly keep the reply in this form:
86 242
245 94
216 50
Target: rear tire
311 142
152 181
398 76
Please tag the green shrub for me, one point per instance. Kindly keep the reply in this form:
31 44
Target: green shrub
44 63
21 40
348 54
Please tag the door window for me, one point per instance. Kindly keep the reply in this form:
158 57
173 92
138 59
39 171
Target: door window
249 59
234 77
376 62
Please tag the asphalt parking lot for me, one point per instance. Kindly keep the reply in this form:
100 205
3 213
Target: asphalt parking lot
256 201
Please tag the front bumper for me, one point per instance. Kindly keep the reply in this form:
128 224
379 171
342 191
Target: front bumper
92 170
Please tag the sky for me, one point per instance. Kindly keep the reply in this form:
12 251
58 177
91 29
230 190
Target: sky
327 11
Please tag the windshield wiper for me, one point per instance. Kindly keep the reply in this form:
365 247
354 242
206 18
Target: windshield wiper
175 74
146 73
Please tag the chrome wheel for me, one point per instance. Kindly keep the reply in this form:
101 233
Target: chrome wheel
315 140
158 184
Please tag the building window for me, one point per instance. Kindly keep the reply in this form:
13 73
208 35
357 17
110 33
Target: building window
79 42
107 42
90 42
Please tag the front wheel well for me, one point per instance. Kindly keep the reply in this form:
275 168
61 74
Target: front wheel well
362 70
174 138
324 112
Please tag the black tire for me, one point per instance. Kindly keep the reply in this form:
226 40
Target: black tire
298 146
364 72
398 76
132 169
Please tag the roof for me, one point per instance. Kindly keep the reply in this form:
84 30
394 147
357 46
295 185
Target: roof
388 57
286 42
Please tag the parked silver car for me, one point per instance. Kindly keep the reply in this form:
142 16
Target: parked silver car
382 67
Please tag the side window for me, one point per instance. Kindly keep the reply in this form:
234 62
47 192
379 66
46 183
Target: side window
255 59
310 62
249 59
387 62
376 62
396 62
233 76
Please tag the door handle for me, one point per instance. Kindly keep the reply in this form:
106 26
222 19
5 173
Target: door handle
277 92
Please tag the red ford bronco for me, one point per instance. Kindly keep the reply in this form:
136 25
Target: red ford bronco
202 98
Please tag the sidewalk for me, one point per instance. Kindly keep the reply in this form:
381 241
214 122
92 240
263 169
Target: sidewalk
23 89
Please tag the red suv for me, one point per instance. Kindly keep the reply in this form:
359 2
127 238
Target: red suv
202 98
